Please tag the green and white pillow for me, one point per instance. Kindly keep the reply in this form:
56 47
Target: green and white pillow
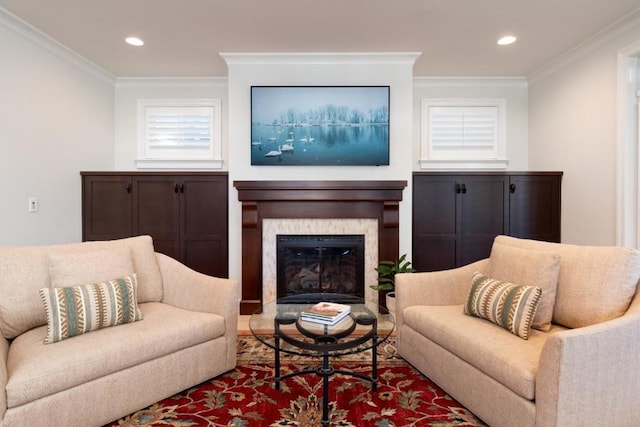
510 306
75 310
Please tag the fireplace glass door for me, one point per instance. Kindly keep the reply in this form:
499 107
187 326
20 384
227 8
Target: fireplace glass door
320 263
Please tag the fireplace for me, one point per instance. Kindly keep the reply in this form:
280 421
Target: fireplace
320 263
312 201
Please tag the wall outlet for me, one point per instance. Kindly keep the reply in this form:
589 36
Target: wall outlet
33 204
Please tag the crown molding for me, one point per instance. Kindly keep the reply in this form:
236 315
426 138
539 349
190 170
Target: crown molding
460 81
171 82
628 21
31 33
320 58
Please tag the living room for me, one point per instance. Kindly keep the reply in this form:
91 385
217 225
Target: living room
572 111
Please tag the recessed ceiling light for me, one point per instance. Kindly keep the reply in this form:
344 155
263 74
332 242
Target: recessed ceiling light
506 40
134 41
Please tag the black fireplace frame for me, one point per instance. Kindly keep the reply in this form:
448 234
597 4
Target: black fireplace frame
320 242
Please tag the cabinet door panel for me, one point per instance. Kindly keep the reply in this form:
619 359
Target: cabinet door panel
207 256
535 207
435 205
107 207
166 246
157 212
483 215
473 249
203 229
434 222
433 253
204 206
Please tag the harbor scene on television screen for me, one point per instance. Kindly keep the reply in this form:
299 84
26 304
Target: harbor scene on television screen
320 125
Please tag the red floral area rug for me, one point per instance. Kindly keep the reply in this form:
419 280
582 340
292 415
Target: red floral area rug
246 396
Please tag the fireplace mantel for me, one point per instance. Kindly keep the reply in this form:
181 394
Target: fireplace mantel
312 199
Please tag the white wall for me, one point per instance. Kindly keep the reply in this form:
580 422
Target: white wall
56 119
572 128
513 90
318 70
129 90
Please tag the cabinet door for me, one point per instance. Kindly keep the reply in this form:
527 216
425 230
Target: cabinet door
106 207
535 206
456 218
157 211
434 222
483 214
203 227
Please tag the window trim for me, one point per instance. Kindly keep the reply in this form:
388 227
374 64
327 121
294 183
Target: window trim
211 158
463 159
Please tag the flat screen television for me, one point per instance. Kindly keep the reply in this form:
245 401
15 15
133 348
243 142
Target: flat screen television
320 125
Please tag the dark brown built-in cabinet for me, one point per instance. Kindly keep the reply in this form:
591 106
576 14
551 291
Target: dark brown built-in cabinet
185 213
456 215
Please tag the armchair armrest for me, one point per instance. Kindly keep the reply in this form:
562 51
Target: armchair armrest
590 375
446 287
4 353
188 289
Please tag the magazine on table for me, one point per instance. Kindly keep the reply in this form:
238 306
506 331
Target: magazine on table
327 313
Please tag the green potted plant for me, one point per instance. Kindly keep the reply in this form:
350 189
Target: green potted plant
387 271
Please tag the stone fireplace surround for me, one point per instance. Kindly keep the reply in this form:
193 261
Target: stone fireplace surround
305 200
336 226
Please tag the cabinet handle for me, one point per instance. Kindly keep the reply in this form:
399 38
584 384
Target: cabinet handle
457 188
512 188
182 188
128 187
176 188
464 188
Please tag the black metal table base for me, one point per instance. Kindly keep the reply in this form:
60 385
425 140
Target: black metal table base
326 370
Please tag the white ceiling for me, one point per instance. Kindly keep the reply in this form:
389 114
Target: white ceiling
456 37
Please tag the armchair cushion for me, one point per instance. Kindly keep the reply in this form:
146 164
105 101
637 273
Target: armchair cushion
89 266
504 357
37 370
531 268
505 304
582 298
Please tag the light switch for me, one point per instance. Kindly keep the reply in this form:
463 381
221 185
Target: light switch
33 204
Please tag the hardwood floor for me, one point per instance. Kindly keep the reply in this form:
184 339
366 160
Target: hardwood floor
243 324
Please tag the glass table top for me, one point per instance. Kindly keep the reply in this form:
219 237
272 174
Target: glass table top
278 325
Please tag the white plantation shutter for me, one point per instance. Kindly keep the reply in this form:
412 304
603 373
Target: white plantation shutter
178 128
460 128
456 132
182 133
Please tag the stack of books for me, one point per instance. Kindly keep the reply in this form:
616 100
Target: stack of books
327 313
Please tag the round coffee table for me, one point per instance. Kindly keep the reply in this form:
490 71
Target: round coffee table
279 325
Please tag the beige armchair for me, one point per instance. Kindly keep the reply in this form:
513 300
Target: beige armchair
583 371
188 334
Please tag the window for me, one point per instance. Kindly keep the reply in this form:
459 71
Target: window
179 133
463 133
